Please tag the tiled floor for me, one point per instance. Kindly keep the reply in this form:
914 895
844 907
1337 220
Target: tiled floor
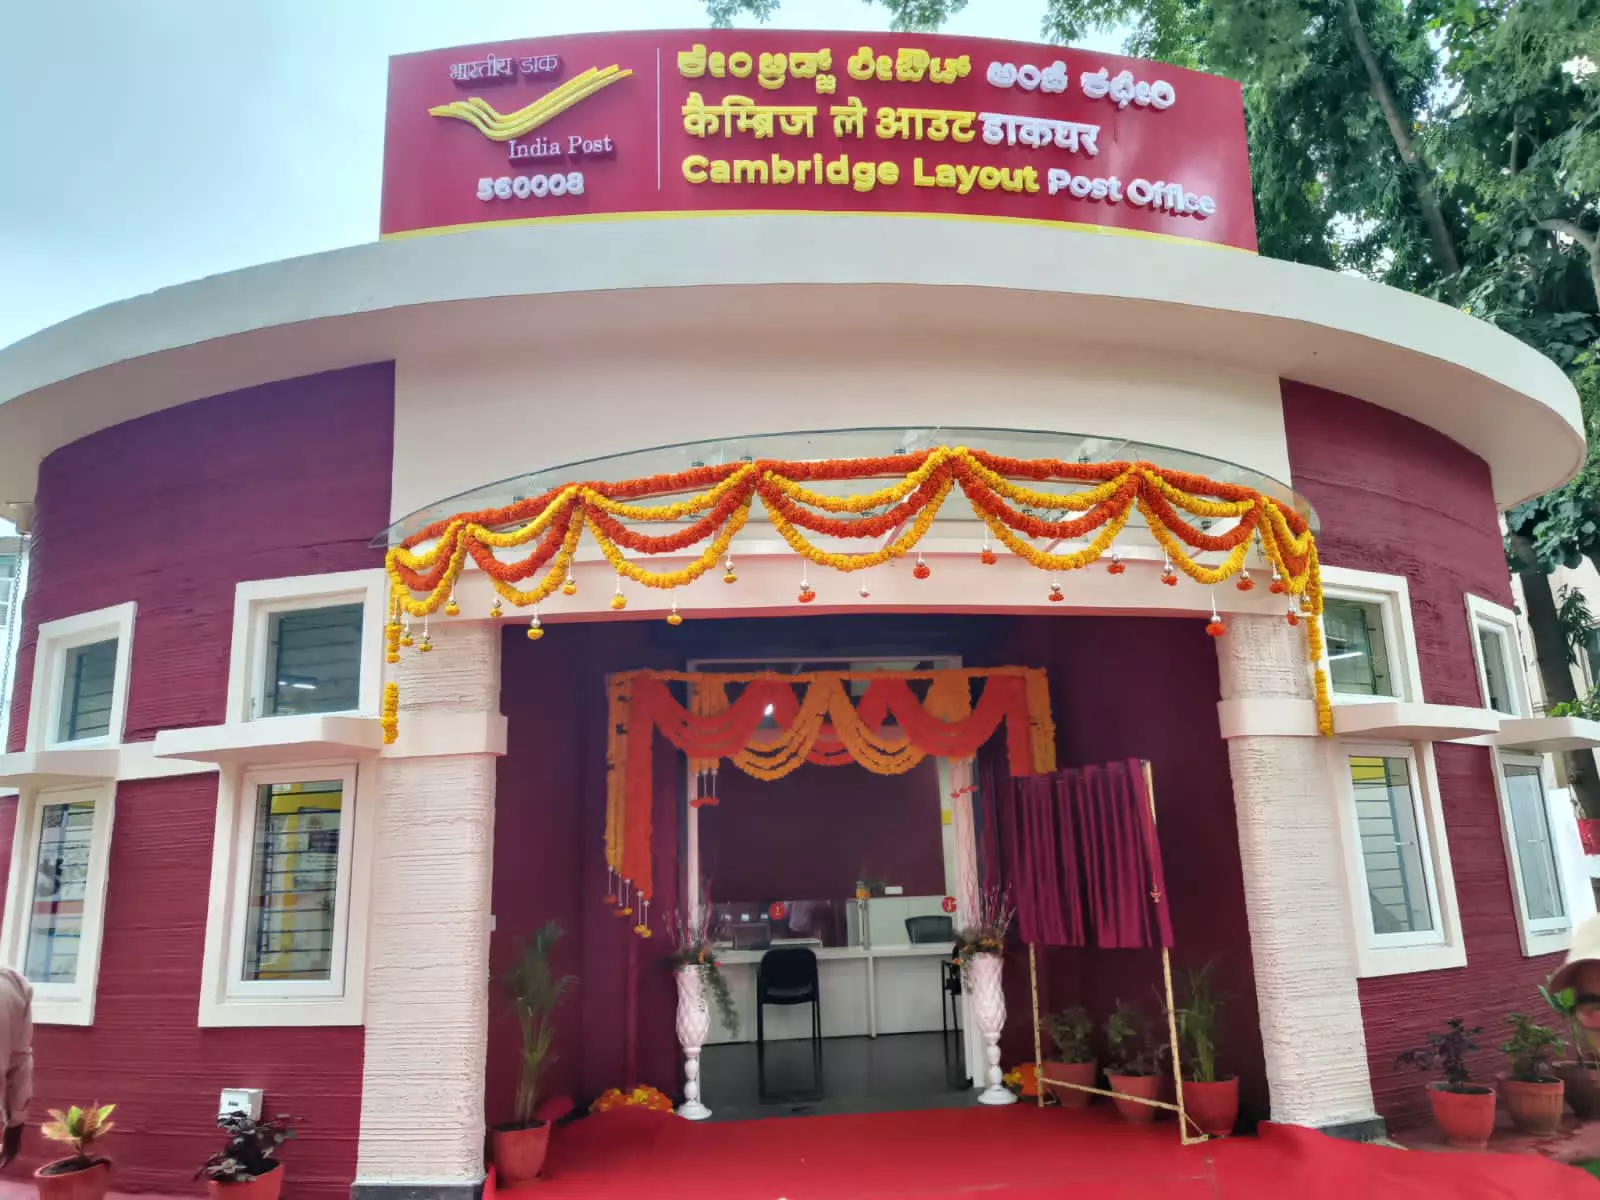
855 1075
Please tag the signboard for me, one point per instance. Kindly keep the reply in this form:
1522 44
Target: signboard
748 121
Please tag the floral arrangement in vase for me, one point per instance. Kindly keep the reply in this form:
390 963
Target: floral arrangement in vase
692 946
987 933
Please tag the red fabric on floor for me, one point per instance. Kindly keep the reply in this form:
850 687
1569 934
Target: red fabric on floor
1022 1151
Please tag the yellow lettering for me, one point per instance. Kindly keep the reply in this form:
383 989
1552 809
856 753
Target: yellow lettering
694 168
782 170
802 167
749 170
967 176
839 170
918 179
740 64
988 178
945 175
720 172
888 173
718 63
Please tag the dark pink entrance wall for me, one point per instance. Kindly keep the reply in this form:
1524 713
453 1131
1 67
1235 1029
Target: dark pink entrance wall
172 511
1398 497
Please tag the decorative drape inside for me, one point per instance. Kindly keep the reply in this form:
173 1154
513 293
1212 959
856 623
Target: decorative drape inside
1083 860
778 722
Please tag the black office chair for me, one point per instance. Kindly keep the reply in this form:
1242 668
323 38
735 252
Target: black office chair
788 976
922 930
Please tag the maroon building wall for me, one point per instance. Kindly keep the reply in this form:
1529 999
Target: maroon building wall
1121 687
1398 497
171 511
812 834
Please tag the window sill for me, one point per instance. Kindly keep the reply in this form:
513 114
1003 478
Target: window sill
62 1010
1374 963
266 1013
1406 721
278 740
1548 735
60 768
1545 941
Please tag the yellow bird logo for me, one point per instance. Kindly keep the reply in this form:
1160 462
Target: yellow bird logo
502 127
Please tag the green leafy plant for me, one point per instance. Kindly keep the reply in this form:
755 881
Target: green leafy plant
1072 1032
1132 1043
251 1150
1565 1005
694 946
1197 1024
535 990
1532 1050
1588 707
1447 1053
79 1128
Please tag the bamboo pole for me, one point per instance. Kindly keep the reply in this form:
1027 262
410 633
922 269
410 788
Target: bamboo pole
1038 1055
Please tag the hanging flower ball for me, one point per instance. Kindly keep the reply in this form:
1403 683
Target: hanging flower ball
451 608
988 557
1294 617
1244 583
1056 595
1169 576
619 601
1215 627
921 571
864 593
806 595
1116 566
407 641
730 577
424 646
1276 587
495 610
570 587
535 632
674 618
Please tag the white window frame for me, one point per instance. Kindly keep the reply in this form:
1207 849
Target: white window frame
56 639
1392 595
1485 614
60 1003
256 601
1437 949
226 999
1545 935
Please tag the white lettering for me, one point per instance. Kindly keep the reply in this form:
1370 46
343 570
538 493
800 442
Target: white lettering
1029 77
1124 90
537 187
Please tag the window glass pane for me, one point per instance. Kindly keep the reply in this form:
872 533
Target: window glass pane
55 917
294 874
1392 848
1536 852
314 661
1591 647
1358 656
87 678
8 576
1492 645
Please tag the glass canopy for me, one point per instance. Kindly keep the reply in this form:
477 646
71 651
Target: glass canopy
844 444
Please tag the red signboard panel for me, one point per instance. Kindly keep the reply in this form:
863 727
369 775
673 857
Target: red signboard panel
740 121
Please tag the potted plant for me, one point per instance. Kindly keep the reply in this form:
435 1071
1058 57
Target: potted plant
1134 1063
1072 1034
1211 1102
519 1147
82 1175
1463 1110
247 1167
1581 1074
1534 1094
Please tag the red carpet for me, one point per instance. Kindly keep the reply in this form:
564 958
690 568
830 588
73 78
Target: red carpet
1013 1152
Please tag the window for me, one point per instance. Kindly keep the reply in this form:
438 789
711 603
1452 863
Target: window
80 679
8 586
313 661
1501 678
55 904
306 646
285 934
1401 888
1533 854
1358 658
1371 649
1393 851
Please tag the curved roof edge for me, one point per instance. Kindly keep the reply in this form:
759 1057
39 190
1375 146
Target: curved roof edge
1477 384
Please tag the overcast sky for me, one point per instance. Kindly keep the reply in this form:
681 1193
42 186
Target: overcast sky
148 142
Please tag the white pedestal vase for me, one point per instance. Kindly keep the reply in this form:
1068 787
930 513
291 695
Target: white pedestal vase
694 1023
989 1008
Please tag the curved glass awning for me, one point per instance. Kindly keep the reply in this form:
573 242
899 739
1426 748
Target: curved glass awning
861 443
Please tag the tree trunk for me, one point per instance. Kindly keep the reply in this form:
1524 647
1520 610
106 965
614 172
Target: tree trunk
1590 244
1444 246
1555 673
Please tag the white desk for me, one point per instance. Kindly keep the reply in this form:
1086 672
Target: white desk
865 992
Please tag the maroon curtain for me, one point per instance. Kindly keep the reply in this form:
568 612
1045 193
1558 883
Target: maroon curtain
1083 861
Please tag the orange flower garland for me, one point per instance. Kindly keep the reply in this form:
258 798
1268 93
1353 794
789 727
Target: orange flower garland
720 499
640 1097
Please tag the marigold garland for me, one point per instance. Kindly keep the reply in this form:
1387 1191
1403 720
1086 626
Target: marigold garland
640 1097
718 501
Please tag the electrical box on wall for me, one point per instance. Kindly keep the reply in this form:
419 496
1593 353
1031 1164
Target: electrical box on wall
245 1100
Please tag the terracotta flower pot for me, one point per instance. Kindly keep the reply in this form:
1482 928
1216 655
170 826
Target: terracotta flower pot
1535 1107
1081 1073
1465 1118
88 1184
1148 1086
1583 1088
1214 1107
262 1187
519 1153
